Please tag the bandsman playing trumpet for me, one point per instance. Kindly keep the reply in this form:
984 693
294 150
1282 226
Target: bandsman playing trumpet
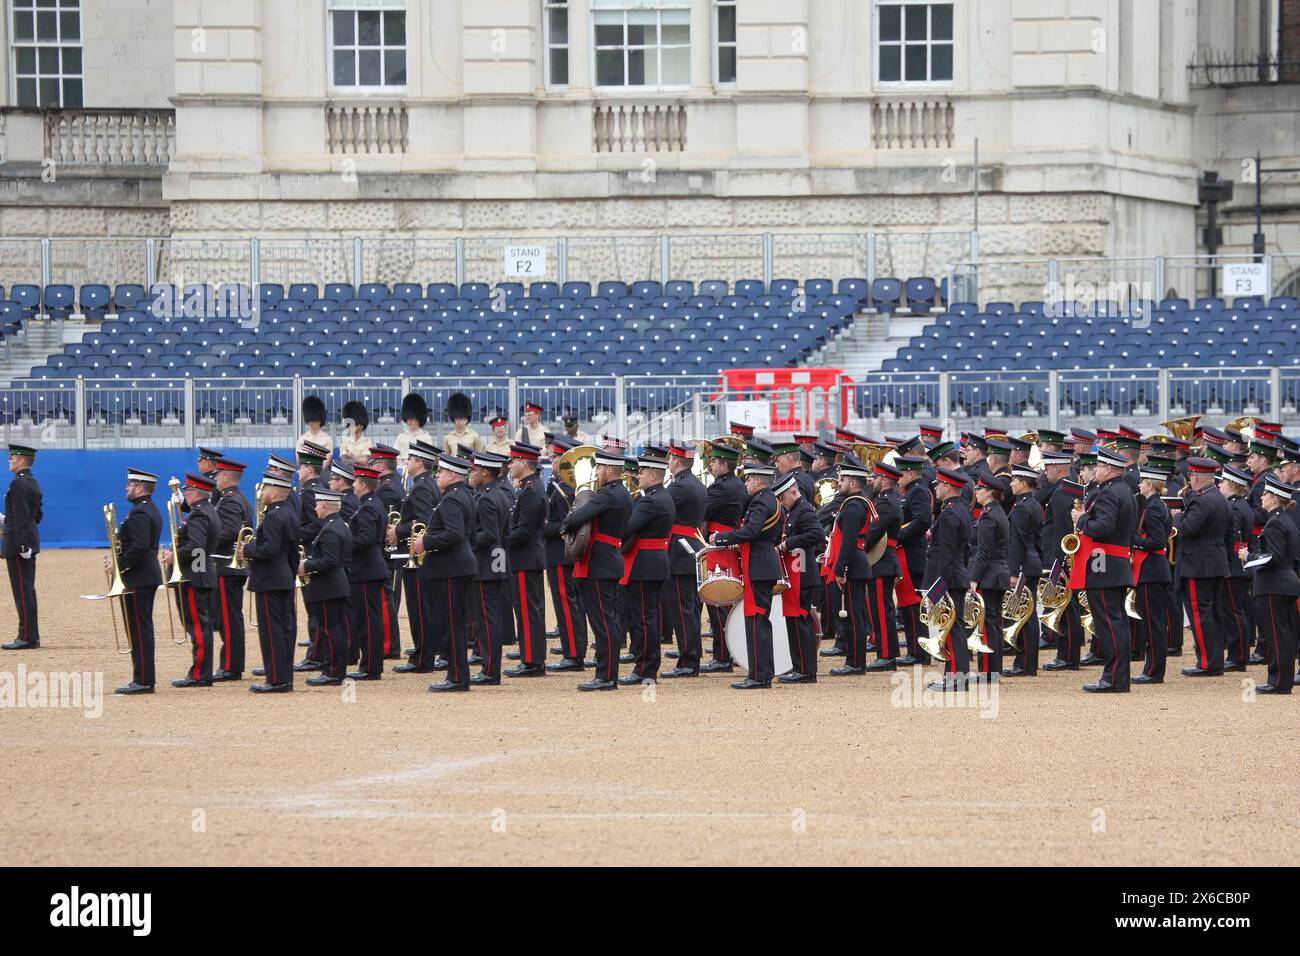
137 538
273 557
1152 576
989 574
1102 566
327 589
197 540
235 513
416 510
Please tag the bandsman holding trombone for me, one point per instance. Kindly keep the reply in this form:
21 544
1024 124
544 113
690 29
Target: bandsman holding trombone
137 543
197 540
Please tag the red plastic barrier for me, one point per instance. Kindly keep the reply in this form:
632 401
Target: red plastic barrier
803 399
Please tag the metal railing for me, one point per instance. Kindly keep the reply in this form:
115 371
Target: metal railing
218 260
644 409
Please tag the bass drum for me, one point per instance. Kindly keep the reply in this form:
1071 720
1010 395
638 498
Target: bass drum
577 542
738 648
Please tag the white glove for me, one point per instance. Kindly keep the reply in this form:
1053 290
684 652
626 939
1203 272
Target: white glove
25 553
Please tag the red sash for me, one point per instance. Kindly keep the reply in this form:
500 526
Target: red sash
1139 558
687 531
581 565
904 591
833 546
1087 548
717 527
641 544
791 561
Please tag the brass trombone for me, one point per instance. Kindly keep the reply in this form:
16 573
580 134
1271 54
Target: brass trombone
116 586
173 581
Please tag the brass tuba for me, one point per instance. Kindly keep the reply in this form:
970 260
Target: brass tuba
577 469
939 618
1017 609
973 617
1184 429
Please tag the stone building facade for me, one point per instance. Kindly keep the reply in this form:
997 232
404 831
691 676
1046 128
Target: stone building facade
419 121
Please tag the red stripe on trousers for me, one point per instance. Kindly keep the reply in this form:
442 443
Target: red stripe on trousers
568 617
388 628
225 621
200 643
523 616
880 610
1202 655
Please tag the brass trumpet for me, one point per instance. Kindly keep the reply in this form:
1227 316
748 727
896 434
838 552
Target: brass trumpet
418 530
973 617
394 519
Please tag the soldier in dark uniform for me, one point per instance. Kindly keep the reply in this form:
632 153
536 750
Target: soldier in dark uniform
1238 614
1262 457
845 563
273 558
198 539
416 508
990 575
526 554
327 589
917 516
974 456
489 602
726 502
1102 565
886 520
601 568
137 537
757 536
565 597
282 468
1203 564
946 455
801 536
646 538
311 460
383 459
789 461
21 544
371 613
1057 523
823 465
1152 576
448 571
1024 563
341 481
1276 587
207 463
680 607
945 564
234 512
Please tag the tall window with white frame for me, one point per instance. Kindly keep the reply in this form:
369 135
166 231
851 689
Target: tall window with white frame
642 44
367 40
555 18
913 41
724 26
46 46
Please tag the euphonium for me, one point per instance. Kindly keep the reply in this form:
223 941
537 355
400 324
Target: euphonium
1017 609
939 618
418 530
973 617
116 586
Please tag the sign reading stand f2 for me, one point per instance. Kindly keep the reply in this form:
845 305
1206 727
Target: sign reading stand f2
527 261
1246 278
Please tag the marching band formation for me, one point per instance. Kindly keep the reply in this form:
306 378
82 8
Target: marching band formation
991 547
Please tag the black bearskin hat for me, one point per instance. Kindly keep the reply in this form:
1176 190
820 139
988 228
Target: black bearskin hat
313 409
356 411
459 406
414 406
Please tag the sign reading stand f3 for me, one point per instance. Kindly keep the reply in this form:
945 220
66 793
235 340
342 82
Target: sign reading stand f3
1246 278
529 261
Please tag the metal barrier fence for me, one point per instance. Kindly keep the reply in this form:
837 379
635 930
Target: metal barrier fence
1118 280
180 412
183 260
